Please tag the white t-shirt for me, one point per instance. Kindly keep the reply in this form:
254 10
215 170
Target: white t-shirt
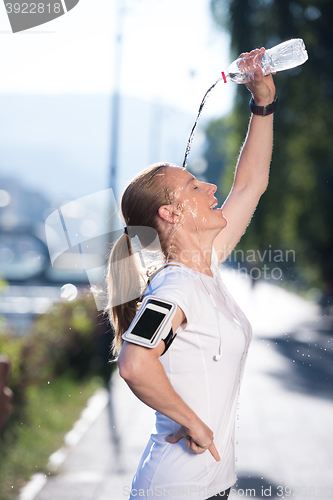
209 387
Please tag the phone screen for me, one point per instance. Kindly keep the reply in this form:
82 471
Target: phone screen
148 323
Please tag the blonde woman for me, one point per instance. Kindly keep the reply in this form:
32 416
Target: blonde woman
194 384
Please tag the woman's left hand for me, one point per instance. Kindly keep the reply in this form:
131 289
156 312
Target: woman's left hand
198 440
262 87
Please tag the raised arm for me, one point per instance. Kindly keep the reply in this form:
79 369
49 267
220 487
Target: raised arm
143 372
252 172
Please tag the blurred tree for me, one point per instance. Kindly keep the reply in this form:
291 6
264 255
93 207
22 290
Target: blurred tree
296 212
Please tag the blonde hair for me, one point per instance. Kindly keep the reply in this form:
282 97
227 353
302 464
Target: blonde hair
140 202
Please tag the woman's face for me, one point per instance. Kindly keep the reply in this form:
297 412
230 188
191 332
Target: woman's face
197 201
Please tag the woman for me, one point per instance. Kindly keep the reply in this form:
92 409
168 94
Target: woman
193 386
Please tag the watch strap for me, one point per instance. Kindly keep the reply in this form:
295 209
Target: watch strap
263 110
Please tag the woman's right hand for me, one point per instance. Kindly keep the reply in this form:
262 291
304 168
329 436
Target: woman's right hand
262 87
198 440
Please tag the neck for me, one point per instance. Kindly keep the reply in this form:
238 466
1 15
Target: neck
193 253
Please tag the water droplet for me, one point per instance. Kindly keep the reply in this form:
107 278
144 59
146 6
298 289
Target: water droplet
68 292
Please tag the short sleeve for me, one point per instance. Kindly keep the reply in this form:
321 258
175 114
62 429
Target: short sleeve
179 286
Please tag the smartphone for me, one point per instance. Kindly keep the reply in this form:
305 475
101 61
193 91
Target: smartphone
152 323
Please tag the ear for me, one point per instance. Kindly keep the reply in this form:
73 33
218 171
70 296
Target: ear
168 213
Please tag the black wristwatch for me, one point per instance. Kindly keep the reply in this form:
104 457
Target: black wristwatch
263 110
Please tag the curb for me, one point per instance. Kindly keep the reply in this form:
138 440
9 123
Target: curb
95 405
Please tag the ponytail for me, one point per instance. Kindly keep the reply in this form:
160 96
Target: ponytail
139 205
124 282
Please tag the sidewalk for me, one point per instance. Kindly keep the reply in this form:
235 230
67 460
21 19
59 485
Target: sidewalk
284 436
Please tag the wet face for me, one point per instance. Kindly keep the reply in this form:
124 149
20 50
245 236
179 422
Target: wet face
198 205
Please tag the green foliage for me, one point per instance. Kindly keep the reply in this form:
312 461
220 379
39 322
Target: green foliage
295 213
71 338
52 368
50 411
13 346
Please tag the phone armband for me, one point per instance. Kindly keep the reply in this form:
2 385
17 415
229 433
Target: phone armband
152 323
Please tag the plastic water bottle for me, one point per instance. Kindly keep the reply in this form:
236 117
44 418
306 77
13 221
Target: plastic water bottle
286 55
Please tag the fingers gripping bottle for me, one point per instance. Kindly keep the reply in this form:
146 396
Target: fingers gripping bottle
286 55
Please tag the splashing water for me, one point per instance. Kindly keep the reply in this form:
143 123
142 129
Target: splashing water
203 102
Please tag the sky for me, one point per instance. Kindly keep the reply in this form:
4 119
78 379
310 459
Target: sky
171 52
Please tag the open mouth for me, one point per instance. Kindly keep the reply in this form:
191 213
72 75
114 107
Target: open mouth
214 205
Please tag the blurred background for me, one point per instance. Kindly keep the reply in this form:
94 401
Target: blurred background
92 98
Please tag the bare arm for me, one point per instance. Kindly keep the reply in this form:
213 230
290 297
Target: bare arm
252 172
145 375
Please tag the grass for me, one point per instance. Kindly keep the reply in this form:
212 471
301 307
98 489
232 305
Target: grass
49 414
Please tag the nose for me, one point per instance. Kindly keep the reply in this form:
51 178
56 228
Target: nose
211 189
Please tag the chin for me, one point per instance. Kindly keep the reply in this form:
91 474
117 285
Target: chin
224 223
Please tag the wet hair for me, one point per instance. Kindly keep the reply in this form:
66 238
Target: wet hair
140 202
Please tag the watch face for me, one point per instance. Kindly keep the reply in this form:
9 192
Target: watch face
148 324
